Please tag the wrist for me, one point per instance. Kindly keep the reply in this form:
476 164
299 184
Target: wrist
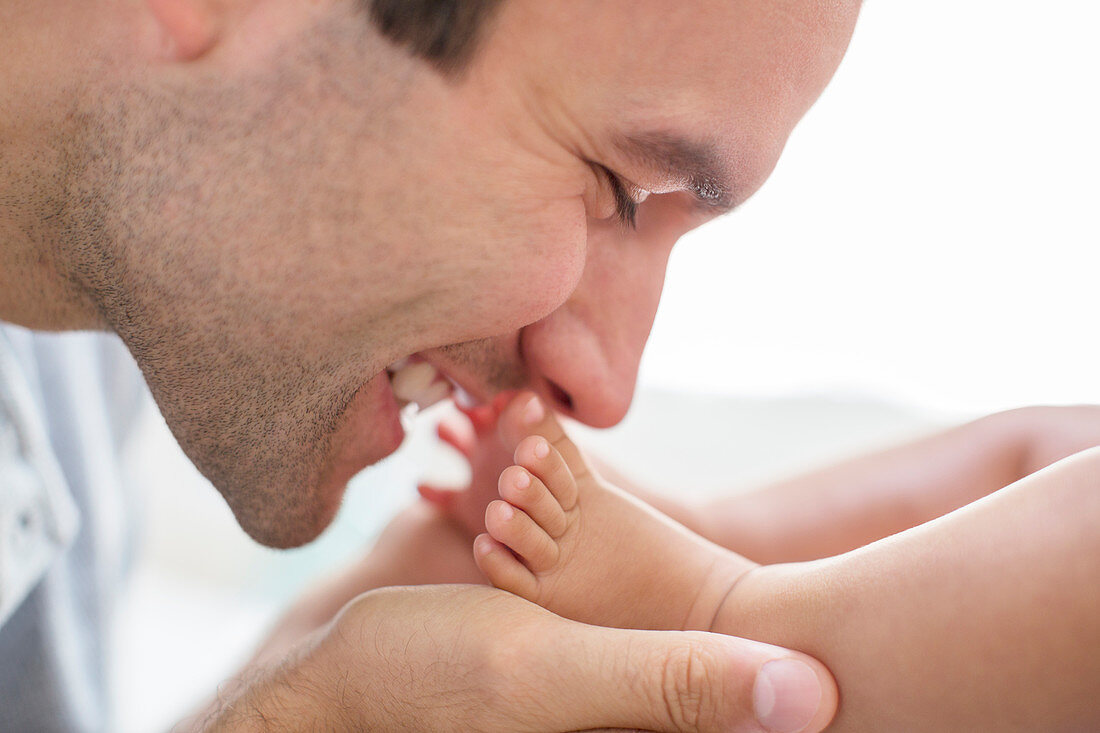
284 698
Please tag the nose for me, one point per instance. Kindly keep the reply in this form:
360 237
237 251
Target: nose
583 358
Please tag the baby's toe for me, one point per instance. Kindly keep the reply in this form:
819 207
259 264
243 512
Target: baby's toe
521 489
502 568
527 415
543 460
515 529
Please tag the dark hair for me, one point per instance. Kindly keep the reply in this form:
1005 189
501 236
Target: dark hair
443 32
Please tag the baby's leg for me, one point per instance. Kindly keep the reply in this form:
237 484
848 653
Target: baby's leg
985 619
563 538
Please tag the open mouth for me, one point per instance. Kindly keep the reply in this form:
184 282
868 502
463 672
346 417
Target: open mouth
417 385
386 411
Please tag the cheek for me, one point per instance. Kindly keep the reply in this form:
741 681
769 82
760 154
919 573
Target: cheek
534 266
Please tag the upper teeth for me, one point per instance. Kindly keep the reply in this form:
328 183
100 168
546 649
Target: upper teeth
463 398
419 383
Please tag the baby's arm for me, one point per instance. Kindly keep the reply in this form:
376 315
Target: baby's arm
985 619
848 505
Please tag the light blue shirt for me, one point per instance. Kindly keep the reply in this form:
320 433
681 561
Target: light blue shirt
67 402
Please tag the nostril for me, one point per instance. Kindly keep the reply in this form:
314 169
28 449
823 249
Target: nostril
562 397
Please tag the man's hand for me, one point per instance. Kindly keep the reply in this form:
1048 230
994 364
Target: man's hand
475 658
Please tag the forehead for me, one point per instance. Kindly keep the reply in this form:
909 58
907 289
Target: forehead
730 75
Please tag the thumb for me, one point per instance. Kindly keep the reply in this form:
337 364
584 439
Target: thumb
688 681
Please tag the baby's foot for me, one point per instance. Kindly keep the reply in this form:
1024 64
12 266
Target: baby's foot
582 548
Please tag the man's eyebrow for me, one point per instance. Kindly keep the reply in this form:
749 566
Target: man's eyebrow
697 165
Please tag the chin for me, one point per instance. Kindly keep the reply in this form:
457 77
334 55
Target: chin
284 494
293 510
284 533
284 516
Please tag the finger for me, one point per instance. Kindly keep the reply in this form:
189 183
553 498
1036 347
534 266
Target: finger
680 681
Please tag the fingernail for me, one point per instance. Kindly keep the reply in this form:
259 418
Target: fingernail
542 449
786 695
533 412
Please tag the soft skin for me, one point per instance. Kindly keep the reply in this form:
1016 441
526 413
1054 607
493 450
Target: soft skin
270 204
947 626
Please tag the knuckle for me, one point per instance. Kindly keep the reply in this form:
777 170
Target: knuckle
687 675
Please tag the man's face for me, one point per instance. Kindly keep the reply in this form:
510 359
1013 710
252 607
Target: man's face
318 212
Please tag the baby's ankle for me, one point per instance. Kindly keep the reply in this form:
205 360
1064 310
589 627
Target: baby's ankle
764 599
718 593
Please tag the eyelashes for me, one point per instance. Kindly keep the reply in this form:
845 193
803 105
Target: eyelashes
626 208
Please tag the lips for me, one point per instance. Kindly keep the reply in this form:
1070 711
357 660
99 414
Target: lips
384 410
381 414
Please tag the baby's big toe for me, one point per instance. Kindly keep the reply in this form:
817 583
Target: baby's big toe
526 415
537 455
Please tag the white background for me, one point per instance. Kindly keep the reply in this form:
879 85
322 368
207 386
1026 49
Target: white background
931 232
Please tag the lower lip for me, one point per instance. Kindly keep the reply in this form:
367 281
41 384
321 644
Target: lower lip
371 430
384 417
